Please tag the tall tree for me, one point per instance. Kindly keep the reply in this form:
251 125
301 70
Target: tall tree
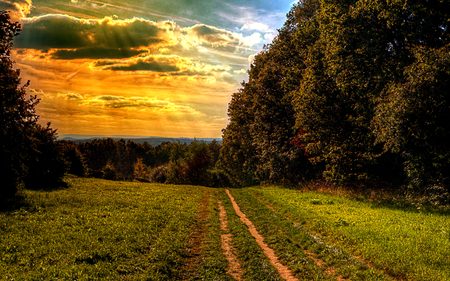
17 114
23 141
257 143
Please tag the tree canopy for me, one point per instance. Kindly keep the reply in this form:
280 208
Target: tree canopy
359 88
28 152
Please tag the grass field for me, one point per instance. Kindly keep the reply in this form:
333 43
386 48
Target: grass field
99 230
104 230
405 244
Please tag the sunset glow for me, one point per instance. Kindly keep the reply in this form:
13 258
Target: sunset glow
147 68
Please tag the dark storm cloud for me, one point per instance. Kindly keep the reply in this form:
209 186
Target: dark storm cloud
66 32
147 64
95 53
213 35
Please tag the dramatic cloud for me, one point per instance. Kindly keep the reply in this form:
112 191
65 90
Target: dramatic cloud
67 32
143 65
202 34
256 26
18 8
95 53
149 67
141 103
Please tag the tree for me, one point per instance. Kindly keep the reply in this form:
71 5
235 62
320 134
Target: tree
358 86
257 143
17 115
364 48
23 140
412 119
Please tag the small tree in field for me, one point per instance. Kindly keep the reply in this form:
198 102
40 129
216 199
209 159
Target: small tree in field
140 170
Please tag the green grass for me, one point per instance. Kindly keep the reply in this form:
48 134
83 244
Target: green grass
99 230
407 244
292 244
214 266
104 230
255 264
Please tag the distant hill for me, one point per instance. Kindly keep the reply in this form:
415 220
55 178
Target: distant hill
154 141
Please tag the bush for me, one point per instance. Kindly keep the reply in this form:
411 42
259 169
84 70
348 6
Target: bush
160 174
46 163
109 172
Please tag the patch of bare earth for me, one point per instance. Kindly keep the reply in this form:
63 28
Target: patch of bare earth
194 249
283 270
234 267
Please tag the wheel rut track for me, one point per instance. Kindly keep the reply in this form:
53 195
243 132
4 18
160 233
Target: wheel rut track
234 266
283 270
329 270
194 249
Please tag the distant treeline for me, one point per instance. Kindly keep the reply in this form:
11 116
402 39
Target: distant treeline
351 92
154 141
169 162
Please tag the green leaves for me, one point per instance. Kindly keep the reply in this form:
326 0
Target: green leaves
366 83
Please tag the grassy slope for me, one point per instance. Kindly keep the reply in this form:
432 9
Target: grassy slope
297 249
99 229
255 264
406 244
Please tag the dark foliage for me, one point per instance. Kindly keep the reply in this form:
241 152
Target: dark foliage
28 153
45 162
169 162
353 91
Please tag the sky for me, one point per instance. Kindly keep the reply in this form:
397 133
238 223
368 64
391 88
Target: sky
139 67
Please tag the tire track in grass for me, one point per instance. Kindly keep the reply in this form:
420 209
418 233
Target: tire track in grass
283 270
194 249
329 270
234 268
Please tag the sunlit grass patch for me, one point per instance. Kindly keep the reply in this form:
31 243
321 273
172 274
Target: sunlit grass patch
98 230
308 257
404 243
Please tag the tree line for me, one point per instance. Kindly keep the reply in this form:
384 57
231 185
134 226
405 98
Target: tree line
350 92
33 158
169 162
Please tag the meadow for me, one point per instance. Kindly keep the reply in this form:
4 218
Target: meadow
107 230
99 230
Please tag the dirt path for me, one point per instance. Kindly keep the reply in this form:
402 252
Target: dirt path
234 267
283 270
194 248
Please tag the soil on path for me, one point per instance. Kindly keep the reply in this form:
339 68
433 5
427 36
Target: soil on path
194 249
234 267
283 270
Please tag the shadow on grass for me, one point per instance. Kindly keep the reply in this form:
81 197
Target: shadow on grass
47 186
384 195
12 204
20 200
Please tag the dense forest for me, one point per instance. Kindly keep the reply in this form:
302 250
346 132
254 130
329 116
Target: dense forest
169 162
351 92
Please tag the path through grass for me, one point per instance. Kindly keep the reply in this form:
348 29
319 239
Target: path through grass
105 230
405 244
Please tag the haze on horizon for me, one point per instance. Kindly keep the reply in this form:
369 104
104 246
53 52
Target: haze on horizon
148 68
